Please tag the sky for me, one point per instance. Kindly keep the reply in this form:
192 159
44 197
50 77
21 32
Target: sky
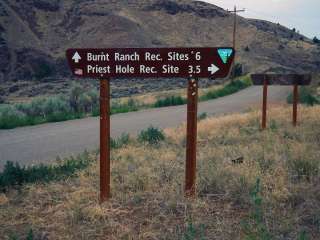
304 15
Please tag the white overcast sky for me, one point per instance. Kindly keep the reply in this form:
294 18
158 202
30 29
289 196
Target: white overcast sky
304 15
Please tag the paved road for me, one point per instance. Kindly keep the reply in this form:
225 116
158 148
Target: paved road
43 143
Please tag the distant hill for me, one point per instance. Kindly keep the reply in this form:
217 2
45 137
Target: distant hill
34 34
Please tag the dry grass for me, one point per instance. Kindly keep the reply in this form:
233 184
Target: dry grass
147 186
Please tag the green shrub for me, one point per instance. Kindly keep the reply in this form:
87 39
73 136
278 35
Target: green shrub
116 107
74 98
85 103
33 109
43 70
51 109
193 232
129 106
151 136
237 70
123 140
93 94
55 104
170 101
228 89
254 227
11 117
202 116
303 236
14 175
316 40
303 168
273 125
305 97
30 235
56 109
13 236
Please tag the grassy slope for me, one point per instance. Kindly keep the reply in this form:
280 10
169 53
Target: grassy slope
147 187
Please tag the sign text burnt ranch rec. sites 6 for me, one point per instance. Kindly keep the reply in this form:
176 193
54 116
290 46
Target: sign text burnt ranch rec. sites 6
151 62
190 63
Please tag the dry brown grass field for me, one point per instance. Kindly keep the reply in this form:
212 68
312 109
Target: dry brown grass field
147 187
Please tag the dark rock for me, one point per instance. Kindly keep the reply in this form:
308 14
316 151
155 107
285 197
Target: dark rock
38 67
46 5
156 42
173 8
4 62
238 160
2 30
3 12
169 7
27 13
13 88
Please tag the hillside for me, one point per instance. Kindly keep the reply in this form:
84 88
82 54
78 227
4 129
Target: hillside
34 35
251 184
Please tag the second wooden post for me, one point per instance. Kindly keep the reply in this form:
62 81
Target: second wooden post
264 104
295 104
191 148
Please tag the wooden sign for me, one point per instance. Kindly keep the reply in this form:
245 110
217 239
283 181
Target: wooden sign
191 63
281 79
151 62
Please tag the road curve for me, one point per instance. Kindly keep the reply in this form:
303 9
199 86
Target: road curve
43 143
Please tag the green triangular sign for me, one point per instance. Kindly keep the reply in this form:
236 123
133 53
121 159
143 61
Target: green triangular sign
225 54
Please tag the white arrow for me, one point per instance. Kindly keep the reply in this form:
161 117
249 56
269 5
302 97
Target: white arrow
213 69
76 57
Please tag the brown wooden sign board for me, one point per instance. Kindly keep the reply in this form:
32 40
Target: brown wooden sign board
281 79
191 63
151 62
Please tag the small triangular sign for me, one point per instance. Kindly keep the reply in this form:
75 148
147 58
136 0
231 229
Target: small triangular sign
225 54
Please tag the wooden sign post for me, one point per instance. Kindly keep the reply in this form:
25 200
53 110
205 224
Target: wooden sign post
191 150
281 79
190 63
264 104
295 99
104 139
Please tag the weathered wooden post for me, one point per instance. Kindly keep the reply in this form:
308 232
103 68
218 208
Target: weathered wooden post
104 140
264 104
191 149
295 104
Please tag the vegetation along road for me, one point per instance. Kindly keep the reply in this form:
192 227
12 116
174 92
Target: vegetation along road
43 143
